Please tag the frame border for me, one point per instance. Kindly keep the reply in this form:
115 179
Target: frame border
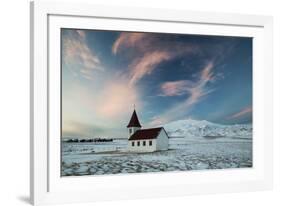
39 95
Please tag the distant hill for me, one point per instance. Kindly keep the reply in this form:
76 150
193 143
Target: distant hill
203 128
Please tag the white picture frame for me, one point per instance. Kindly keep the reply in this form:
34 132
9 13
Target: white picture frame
46 184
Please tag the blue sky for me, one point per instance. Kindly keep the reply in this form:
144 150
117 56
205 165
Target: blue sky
167 76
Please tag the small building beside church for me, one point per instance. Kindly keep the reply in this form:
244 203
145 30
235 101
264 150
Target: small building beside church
145 140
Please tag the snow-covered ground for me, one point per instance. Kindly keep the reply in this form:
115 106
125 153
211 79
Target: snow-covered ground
193 145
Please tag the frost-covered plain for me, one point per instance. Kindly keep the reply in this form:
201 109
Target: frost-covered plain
194 145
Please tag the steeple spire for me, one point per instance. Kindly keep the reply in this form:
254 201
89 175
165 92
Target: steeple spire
134 121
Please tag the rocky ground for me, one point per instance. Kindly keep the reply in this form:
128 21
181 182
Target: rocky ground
206 155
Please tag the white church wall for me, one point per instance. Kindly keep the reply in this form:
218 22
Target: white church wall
141 147
162 141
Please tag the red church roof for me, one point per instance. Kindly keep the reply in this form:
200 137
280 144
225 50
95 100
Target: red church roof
134 122
146 133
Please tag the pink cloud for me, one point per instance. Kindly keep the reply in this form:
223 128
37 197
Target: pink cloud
81 33
206 74
242 113
116 98
175 88
106 105
127 40
77 54
199 89
145 65
151 51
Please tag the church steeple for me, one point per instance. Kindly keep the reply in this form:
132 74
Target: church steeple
134 121
134 124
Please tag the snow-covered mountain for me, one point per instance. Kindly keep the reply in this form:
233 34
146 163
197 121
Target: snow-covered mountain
203 128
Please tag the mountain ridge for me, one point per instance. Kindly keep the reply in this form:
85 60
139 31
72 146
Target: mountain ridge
203 128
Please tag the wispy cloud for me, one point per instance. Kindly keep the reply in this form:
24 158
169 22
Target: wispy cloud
126 40
105 100
146 64
151 51
242 113
176 88
78 56
81 33
196 90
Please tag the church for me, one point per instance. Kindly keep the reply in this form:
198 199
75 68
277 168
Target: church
145 140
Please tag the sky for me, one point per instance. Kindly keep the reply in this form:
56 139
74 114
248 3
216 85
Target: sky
167 77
